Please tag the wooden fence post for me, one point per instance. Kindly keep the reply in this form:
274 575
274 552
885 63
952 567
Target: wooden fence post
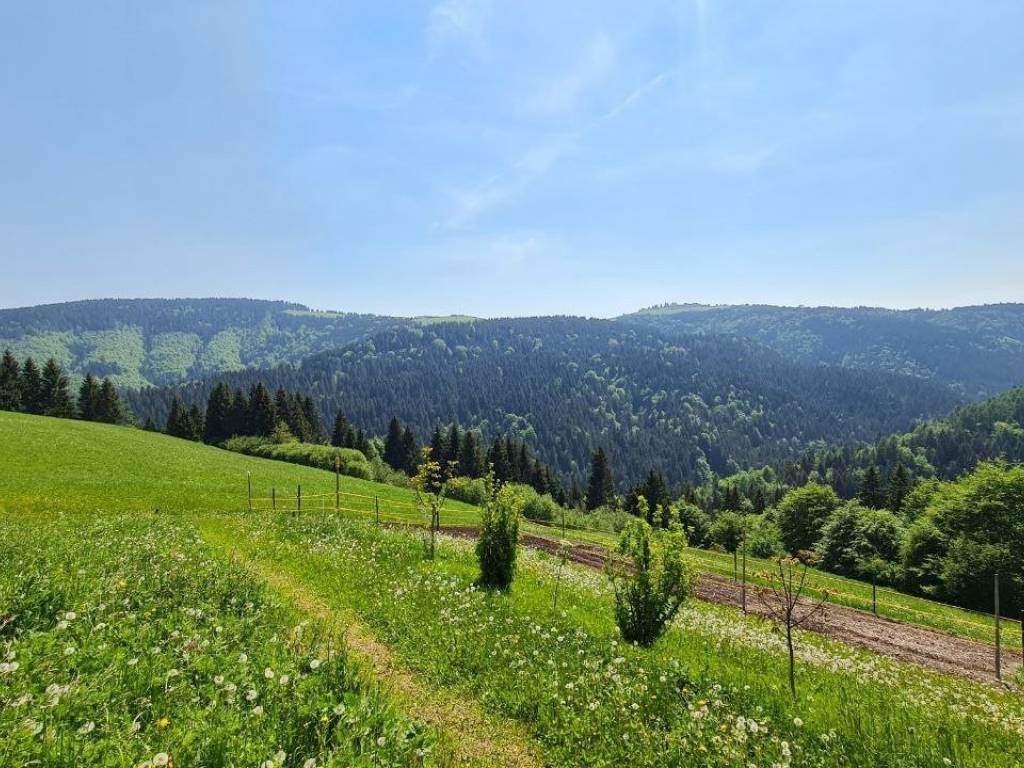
376 509
874 594
248 478
999 660
273 498
298 498
337 484
744 587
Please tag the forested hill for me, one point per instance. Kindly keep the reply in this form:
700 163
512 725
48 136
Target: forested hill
139 342
566 385
944 447
977 350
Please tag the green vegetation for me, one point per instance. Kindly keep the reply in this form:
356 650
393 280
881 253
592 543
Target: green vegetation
350 461
126 642
713 691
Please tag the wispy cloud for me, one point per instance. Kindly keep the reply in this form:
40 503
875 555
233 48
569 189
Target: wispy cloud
461 22
563 94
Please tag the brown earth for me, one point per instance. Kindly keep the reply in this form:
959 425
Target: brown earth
928 648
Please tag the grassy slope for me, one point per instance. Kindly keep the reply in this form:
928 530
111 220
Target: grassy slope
59 465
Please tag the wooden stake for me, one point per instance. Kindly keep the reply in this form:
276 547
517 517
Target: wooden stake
744 587
874 594
376 509
337 484
999 660
248 478
273 498
298 498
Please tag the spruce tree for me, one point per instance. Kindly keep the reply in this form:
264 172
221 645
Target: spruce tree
311 414
31 387
900 484
218 427
10 383
240 414
56 398
361 444
262 418
283 408
195 423
601 488
177 420
109 408
471 462
343 436
409 452
759 502
872 491
88 398
655 491
453 450
497 458
394 455
523 465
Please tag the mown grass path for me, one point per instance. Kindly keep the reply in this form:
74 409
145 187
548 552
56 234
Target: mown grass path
469 737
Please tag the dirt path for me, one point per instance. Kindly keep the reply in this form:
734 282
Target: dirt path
472 737
907 642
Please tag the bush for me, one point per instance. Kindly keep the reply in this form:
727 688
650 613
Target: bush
650 580
763 538
694 522
352 462
802 513
855 536
472 491
499 538
541 508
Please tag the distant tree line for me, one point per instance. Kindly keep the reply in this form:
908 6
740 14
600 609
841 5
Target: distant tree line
25 388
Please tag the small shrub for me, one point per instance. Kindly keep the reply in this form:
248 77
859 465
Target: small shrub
470 490
650 580
499 538
541 508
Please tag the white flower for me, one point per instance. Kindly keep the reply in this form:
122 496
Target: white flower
279 756
87 728
285 679
70 616
314 664
381 741
173 673
243 658
218 679
34 727
798 722
310 763
132 662
257 710
339 710
161 759
69 651
268 673
251 695
62 625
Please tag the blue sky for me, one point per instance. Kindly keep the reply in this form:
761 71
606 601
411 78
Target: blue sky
508 158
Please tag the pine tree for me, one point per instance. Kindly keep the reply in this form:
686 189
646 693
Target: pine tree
56 399
899 486
453 450
759 502
10 383
178 424
218 427
31 387
314 427
439 450
343 436
109 408
872 491
575 494
409 452
361 444
262 418
394 456
240 414
523 466
601 488
497 458
655 490
512 457
88 398
195 423
283 408
471 462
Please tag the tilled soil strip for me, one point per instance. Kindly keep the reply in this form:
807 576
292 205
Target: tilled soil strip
907 642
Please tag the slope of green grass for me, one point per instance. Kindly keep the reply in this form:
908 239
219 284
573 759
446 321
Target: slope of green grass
59 465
